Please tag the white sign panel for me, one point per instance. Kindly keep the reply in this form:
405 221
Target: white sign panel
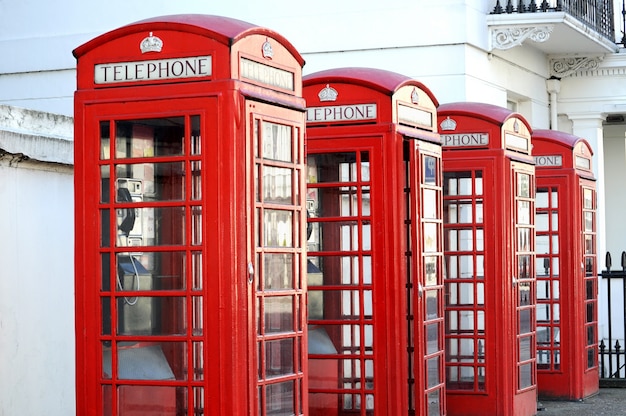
414 116
465 139
153 70
337 113
516 142
266 74
549 160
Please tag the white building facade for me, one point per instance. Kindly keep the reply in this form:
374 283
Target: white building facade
555 67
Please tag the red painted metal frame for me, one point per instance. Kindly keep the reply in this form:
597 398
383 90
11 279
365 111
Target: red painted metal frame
501 302
395 149
230 378
564 172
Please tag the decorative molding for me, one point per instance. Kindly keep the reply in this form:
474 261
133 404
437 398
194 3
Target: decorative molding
564 67
507 38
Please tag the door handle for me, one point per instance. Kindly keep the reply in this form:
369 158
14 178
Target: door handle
250 272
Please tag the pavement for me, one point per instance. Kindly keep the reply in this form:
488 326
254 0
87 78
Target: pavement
608 402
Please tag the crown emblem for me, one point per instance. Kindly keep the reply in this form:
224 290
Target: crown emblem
328 94
151 44
268 52
448 124
415 97
516 127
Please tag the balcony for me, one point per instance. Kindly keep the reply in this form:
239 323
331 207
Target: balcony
556 27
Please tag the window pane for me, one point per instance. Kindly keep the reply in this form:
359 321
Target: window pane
150 137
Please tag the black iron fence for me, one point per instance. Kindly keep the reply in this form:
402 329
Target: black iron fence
612 301
597 14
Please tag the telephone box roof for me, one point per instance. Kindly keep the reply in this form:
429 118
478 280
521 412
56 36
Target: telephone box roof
488 112
225 30
560 137
386 82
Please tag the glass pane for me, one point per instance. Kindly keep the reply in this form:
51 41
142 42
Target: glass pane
429 203
523 185
278 228
277 185
160 226
277 141
105 227
196 140
430 238
105 269
151 181
196 180
525 349
525 376
434 403
151 271
432 338
147 360
278 271
523 239
433 367
150 137
525 324
105 180
197 311
140 315
279 314
430 271
196 270
587 198
105 140
523 212
279 357
430 170
105 304
280 399
523 264
337 167
589 221
151 400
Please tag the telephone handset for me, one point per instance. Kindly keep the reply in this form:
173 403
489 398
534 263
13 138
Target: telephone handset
128 214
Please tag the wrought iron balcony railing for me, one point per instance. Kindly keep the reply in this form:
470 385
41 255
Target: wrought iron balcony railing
597 14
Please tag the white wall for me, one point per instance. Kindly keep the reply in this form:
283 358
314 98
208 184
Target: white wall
36 289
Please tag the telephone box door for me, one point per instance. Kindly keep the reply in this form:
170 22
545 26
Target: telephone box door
276 269
146 180
425 285
343 313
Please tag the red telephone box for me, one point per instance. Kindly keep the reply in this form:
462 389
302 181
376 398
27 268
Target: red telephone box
375 250
567 288
489 205
190 221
